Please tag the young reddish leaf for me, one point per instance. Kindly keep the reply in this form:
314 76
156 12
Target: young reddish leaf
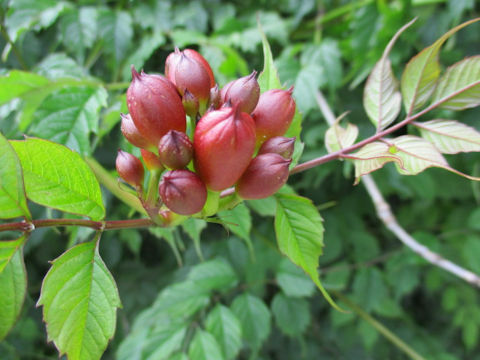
460 85
372 157
450 136
337 137
381 99
422 72
80 300
13 283
418 154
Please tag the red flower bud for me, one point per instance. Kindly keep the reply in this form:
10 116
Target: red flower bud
244 92
152 161
130 169
175 150
224 143
131 133
190 104
278 145
189 70
274 113
265 175
183 192
155 106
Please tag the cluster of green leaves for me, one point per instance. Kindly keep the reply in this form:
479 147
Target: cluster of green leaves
65 68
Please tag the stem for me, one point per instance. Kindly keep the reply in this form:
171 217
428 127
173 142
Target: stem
394 339
97 225
111 184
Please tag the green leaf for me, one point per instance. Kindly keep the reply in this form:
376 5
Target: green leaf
293 281
372 157
470 332
59 67
59 178
24 15
147 47
337 137
309 79
292 315
254 318
239 221
20 83
13 283
422 71
264 207
68 116
156 343
182 300
369 288
78 28
80 300
299 230
222 323
460 85
116 31
194 227
13 202
211 275
204 347
268 78
450 136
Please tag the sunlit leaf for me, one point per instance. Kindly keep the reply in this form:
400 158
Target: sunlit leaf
422 71
59 178
13 283
299 231
372 157
337 137
224 325
460 85
450 136
80 300
381 98
268 78
19 83
13 202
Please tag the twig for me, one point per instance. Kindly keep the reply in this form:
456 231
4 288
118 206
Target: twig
386 215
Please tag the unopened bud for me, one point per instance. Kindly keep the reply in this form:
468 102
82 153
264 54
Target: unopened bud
189 70
130 169
244 92
274 113
152 161
175 150
131 133
224 143
190 104
155 106
278 145
265 175
183 192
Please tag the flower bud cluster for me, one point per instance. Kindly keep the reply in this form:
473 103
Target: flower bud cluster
236 134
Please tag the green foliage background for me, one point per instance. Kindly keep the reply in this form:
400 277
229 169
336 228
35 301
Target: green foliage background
249 301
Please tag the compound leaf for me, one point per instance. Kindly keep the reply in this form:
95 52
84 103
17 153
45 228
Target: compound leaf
204 347
224 325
